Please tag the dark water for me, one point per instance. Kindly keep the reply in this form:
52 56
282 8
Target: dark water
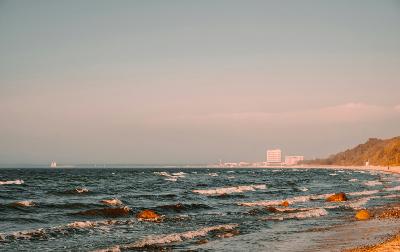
56 203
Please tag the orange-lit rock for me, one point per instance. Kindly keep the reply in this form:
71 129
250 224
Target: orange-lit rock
285 203
148 215
337 197
363 215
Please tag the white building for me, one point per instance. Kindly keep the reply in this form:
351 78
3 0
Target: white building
293 160
274 156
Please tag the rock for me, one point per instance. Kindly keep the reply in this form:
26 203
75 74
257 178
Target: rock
337 197
228 234
363 215
272 209
109 212
148 215
111 202
285 203
202 241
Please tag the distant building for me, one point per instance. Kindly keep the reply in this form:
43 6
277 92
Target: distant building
274 156
293 160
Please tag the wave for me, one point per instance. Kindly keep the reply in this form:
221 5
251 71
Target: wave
390 189
317 212
213 174
363 193
183 207
300 199
78 190
111 202
391 196
229 190
372 183
24 203
357 204
92 224
158 240
12 182
353 180
45 233
297 199
171 177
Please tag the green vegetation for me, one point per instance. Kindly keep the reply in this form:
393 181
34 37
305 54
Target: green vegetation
377 151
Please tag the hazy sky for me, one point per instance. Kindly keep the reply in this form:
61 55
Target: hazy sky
195 81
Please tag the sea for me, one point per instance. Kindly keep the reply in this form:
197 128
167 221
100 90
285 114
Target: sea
202 209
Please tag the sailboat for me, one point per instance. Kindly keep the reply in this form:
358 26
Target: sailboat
53 164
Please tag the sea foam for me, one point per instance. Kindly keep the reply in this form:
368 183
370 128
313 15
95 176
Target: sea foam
168 238
317 212
372 183
12 182
229 190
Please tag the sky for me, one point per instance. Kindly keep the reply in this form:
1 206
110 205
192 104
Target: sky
195 81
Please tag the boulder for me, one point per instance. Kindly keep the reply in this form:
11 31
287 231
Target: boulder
285 203
337 197
363 215
148 215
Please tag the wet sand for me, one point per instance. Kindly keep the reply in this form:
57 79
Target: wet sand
389 245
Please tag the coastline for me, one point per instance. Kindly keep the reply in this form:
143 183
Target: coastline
389 244
392 169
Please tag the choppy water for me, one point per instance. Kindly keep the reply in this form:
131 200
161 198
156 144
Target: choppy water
212 203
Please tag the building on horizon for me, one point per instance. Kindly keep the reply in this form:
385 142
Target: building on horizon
293 160
274 156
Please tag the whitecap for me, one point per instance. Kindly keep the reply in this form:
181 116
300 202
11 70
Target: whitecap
179 174
303 189
297 199
81 190
353 180
24 203
363 193
12 182
317 212
391 196
111 202
372 183
390 189
171 177
229 190
213 174
357 204
333 174
169 238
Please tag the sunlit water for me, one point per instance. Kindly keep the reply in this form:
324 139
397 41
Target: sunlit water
208 198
